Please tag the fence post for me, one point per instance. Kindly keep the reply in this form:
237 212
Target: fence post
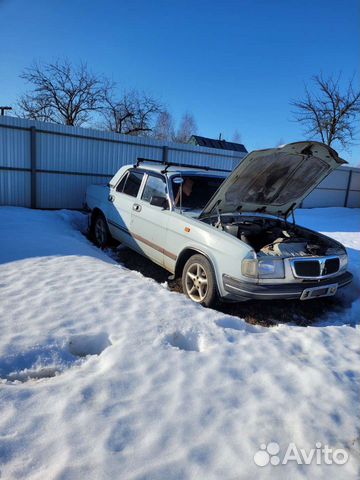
348 189
33 167
165 155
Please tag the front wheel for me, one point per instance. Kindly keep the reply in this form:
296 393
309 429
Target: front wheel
198 280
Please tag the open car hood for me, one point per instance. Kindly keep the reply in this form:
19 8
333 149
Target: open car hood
274 181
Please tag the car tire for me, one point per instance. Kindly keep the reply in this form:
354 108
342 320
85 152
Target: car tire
100 231
198 281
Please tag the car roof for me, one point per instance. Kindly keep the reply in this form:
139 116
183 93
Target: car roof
172 169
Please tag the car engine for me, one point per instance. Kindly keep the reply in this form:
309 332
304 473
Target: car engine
274 237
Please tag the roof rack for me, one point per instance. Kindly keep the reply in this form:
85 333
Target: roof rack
175 164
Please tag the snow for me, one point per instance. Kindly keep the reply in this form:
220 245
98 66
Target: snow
107 374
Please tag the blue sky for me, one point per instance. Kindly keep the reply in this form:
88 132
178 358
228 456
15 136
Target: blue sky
234 64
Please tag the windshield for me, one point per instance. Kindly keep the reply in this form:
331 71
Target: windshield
195 191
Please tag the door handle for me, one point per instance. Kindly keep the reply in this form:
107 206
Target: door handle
111 198
137 207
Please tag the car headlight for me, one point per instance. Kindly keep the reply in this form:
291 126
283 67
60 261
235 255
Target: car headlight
343 261
262 268
271 268
249 265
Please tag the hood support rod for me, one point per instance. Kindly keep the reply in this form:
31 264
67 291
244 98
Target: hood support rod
290 211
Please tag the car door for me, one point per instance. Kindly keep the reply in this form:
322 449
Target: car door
149 220
123 199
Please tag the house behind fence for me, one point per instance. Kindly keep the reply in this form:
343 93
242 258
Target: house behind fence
43 165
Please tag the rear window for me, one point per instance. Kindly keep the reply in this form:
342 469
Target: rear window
132 183
120 187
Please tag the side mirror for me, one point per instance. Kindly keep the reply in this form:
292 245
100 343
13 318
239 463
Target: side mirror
159 202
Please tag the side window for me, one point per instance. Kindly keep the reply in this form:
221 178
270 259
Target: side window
120 187
155 187
132 184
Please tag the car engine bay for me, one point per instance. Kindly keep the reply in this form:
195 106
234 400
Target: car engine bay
275 237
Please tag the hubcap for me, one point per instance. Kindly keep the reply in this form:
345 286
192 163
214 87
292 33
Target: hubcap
196 282
100 231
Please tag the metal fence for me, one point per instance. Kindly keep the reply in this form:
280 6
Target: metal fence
43 165
340 189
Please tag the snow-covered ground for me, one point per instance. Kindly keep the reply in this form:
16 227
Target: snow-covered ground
107 374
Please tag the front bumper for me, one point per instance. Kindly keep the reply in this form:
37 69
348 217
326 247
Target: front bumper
239 290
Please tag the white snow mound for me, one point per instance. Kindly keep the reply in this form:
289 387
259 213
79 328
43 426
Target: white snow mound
107 374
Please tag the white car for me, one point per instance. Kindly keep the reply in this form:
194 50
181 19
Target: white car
229 235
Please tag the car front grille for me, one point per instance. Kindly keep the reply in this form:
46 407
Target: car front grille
321 267
309 268
332 265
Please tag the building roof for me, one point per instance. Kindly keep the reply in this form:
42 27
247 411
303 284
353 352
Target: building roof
219 144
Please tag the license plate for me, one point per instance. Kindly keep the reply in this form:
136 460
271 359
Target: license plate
316 292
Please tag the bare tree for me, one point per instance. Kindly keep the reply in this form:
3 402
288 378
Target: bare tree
62 93
236 137
330 112
164 127
186 128
132 114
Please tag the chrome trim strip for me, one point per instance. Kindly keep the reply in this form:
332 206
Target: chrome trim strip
144 240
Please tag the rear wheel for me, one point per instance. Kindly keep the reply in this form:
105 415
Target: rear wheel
198 280
100 231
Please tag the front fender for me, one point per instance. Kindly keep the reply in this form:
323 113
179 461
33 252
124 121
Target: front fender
224 251
192 249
